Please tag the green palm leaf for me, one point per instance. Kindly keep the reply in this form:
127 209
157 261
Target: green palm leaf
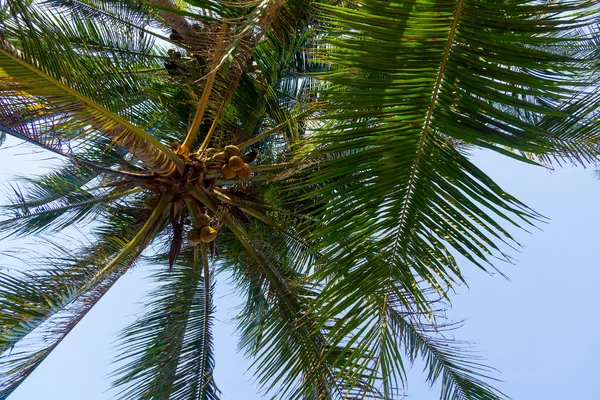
59 199
19 364
357 119
397 199
47 93
168 352
72 285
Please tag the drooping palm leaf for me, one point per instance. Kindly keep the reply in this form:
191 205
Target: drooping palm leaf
396 198
72 285
168 352
56 322
276 328
59 199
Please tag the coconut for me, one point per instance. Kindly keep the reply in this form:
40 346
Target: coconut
201 221
236 163
151 201
232 150
220 158
245 172
227 172
208 234
194 237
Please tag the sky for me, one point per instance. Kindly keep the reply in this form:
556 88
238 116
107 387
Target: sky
539 329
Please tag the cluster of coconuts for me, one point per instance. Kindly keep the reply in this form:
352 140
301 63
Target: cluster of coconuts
231 163
202 232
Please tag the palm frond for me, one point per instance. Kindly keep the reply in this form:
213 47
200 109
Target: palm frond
400 95
292 356
463 376
71 285
31 351
79 161
123 16
168 352
396 199
43 95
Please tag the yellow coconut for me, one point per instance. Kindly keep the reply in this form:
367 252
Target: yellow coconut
245 172
236 163
194 237
232 150
201 221
208 234
227 172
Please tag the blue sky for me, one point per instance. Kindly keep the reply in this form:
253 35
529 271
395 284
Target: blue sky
539 330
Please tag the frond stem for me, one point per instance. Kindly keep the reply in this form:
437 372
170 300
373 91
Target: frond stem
426 126
200 194
199 116
213 127
273 130
139 238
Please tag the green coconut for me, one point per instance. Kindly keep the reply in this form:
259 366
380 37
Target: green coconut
232 150
201 221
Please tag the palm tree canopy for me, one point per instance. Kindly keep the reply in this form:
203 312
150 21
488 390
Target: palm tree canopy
316 151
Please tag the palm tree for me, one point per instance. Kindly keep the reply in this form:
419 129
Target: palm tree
315 151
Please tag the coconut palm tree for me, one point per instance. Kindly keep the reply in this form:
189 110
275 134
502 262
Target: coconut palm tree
315 151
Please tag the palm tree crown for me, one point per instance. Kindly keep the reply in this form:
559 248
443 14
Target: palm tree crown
315 151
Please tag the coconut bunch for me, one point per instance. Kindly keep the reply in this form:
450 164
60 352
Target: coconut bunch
229 162
202 231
